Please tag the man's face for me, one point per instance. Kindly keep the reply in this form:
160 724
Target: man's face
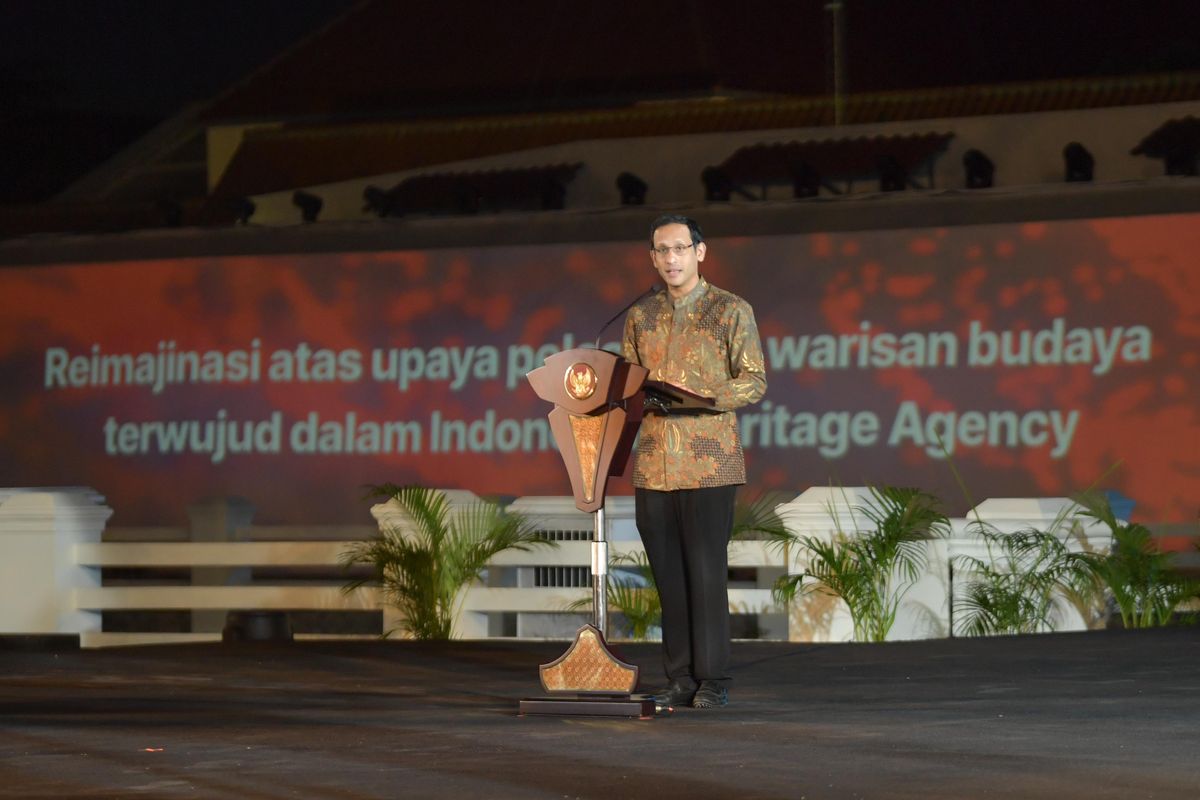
680 271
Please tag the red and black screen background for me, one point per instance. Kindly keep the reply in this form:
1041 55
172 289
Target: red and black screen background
1092 273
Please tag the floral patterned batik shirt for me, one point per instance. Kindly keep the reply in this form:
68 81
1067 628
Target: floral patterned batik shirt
707 343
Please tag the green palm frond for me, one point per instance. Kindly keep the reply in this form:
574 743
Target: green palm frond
1015 590
757 518
631 593
872 567
1136 573
426 508
1022 585
422 568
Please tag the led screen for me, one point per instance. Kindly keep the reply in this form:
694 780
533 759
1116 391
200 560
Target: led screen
1034 359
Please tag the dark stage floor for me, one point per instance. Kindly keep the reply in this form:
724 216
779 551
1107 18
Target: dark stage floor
1098 715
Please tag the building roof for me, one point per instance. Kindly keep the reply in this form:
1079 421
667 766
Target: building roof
456 57
275 159
423 57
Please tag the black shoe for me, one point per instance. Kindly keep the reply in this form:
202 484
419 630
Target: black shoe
676 694
710 695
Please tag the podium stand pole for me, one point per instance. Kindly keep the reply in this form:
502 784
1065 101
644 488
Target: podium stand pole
600 573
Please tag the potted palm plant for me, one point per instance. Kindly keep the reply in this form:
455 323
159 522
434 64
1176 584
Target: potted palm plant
1022 584
872 568
424 565
1138 575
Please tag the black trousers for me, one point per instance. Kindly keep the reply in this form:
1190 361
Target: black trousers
686 536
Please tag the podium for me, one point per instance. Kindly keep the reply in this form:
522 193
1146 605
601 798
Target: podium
597 411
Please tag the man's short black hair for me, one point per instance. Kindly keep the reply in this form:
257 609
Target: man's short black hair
677 219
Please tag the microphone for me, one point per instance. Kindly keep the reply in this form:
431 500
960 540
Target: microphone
655 289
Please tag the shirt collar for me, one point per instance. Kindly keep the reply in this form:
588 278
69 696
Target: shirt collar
691 297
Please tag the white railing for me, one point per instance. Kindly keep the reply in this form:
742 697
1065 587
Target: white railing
53 546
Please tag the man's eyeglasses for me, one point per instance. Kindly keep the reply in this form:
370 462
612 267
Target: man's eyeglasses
677 249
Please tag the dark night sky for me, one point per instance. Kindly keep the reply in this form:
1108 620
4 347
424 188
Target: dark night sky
79 79
146 57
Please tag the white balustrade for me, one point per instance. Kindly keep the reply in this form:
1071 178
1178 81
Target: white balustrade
53 545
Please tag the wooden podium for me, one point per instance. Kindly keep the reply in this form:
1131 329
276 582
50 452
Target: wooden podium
597 411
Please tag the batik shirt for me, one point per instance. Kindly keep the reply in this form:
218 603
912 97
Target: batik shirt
707 343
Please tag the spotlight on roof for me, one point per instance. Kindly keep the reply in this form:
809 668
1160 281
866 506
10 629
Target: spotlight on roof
632 189
979 168
718 187
309 205
892 176
806 181
243 210
1079 163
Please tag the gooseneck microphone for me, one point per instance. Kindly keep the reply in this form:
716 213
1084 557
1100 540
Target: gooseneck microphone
655 289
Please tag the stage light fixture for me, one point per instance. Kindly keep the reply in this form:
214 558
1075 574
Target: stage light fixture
892 176
718 187
632 189
243 210
309 205
979 168
806 181
1079 163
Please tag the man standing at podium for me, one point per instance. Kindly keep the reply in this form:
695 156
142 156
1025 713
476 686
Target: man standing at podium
689 463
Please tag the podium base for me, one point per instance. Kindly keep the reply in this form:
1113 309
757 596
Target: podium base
617 705
589 680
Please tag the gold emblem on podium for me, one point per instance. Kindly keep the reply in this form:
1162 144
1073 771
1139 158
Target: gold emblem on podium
580 380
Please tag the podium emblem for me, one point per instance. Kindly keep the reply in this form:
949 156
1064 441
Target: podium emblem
590 390
580 380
